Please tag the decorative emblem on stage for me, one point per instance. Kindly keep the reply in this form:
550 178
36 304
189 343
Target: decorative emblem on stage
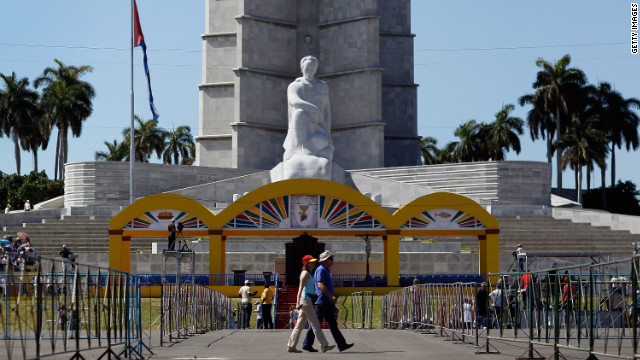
444 219
159 220
304 211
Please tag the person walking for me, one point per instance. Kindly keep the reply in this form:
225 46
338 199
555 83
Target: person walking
304 306
246 303
267 304
325 305
27 206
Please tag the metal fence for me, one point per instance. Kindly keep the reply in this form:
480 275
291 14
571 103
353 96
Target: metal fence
590 308
362 310
447 309
53 306
189 309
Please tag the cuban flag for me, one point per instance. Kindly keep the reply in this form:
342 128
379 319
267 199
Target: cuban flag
138 40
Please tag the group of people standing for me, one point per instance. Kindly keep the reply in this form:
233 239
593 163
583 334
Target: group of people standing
263 306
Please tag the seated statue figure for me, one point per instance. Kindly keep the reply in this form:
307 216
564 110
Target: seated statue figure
308 146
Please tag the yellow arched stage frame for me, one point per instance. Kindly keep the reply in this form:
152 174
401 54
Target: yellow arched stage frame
318 207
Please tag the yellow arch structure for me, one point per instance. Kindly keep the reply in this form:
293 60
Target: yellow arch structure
483 225
119 239
489 261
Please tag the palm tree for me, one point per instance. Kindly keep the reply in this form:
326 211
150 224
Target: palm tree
540 123
177 145
115 152
67 103
617 120
470 147
623 129
556 86
37 138
18 111
148 138
192 156
429 150
583 144
503 134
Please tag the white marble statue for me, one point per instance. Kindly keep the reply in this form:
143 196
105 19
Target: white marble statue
308 149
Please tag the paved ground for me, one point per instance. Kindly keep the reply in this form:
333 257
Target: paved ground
369 344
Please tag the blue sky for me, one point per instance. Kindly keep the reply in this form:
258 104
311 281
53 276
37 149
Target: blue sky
471 58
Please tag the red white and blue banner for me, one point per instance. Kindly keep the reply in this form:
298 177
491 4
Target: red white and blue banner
138 40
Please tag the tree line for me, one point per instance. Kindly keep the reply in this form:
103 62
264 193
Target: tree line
28 117
64 102
175 147
582 124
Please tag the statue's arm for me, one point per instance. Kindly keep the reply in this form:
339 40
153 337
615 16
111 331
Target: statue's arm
294 97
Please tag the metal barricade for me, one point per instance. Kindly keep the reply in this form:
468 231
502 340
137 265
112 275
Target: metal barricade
49 307
361 310
591 308
189 309
446 309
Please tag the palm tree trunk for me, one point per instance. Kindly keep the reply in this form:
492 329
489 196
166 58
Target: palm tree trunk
35 159
558 153
65 153
579 182
575 179
55 167
589 170
604 188
613 165
549 149
17 152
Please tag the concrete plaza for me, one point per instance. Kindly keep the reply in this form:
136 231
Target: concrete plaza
370 344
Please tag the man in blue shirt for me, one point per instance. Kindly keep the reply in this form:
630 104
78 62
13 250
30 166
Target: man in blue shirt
325 305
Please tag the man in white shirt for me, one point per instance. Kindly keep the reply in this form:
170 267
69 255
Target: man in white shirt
496 298
247 301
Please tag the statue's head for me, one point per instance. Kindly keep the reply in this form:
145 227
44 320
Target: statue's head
309 66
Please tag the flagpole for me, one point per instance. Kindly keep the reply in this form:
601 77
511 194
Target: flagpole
132 158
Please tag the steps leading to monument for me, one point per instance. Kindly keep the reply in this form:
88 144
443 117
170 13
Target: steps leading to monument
538 234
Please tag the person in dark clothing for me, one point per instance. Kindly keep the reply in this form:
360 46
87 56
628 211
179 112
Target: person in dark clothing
172 234
481 306
65 254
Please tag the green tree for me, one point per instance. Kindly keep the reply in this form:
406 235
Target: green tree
67 103
623 199
471 146
178 145
18 111
429 150
540 123
557 87
16 189
583 144
503 134
148 138
115 152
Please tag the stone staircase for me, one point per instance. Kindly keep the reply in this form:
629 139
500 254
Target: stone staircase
538 234
82 235
546 235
